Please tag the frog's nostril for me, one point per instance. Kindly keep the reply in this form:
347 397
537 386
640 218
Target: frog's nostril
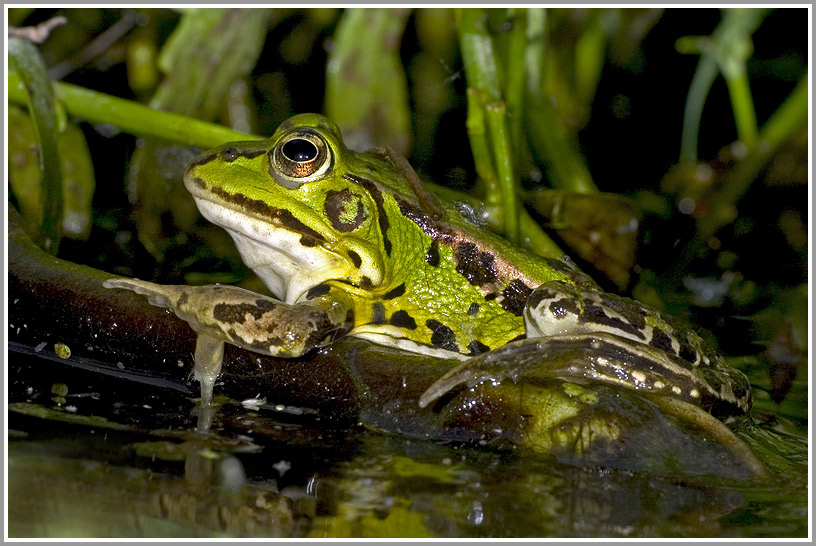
229 154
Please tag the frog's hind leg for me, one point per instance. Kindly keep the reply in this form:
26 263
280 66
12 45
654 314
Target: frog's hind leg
607 359
599 356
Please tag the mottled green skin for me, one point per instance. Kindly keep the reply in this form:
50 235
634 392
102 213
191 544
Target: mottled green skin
441 284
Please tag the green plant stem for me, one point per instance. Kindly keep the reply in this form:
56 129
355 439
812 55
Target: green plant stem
701 83
590 53
789 118
555 148
497 123
514 76
132 117
732 48
366 85
535 51
478 56
35 91
477 134
482 72
742 103
550 142
727 50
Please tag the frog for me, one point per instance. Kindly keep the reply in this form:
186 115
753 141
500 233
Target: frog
355 244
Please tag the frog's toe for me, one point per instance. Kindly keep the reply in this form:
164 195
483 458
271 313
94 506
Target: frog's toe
491 366
209 355
445 384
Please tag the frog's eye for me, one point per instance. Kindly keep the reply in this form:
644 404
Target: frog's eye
301 156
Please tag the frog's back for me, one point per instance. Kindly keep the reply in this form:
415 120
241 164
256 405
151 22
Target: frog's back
449 283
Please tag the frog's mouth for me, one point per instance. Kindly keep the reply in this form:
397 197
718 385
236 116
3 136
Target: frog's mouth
244 205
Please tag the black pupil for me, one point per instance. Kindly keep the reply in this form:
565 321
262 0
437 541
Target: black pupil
299 149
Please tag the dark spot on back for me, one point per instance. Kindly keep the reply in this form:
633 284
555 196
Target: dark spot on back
661 340
432 256
395 293
182 300
442 337
490 297
476 266
318 290
473 309
402 319
687 353
564 307
595 314
366 284
477 347
514 297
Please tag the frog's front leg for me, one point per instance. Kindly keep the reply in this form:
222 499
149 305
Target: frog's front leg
228 314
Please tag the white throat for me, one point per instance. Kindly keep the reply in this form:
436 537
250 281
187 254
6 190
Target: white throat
275 255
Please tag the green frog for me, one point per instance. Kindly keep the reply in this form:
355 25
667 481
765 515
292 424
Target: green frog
353 244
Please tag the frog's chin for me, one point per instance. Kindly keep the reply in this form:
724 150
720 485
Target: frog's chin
276 255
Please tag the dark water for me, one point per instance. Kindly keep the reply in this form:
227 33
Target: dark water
125 460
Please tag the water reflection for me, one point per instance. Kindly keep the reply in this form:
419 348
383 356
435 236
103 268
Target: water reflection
148 467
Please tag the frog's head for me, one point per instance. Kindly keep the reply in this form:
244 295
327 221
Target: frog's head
295 207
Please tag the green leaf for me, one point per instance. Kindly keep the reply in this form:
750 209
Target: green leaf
25 58
77 178
366 86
